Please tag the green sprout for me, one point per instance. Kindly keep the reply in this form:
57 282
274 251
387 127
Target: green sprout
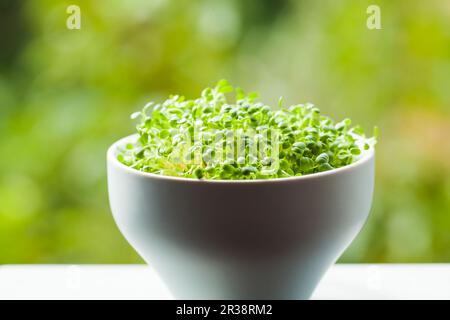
213 138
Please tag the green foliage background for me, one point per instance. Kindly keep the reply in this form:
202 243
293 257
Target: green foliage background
66 95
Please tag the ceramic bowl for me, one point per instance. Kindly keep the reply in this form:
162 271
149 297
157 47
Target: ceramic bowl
251 239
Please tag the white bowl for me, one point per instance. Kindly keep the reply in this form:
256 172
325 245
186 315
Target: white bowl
242 239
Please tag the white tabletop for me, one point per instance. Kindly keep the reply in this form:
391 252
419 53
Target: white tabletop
343 281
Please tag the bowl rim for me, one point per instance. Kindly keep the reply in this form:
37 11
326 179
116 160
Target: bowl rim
112 160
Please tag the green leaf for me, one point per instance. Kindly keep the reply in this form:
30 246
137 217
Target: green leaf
191 130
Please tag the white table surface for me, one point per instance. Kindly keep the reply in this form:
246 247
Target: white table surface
343 281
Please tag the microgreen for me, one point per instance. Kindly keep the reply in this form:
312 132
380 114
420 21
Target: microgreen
213 138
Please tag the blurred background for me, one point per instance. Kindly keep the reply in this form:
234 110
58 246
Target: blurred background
66 95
